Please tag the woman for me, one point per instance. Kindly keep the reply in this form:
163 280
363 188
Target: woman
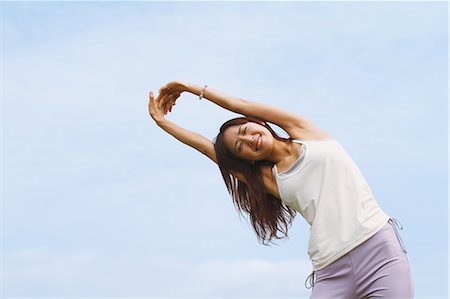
355 248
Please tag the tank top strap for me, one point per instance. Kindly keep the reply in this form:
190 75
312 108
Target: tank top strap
311 141
298 141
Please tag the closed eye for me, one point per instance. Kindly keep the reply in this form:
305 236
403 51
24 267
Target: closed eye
242 132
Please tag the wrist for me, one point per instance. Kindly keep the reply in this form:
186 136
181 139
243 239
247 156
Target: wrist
192 88
160 121
186 86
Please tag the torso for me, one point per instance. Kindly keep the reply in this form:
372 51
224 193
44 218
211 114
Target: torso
311 133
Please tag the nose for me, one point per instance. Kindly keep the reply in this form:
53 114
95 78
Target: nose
247 139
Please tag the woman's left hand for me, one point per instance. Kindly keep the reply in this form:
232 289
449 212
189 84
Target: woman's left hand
169 93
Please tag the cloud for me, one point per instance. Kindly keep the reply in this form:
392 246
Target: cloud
47 272
254 277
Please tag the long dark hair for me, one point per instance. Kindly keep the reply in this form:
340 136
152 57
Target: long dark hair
268 214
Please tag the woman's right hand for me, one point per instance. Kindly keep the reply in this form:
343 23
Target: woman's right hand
154 110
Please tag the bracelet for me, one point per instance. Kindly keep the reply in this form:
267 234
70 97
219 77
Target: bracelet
202 92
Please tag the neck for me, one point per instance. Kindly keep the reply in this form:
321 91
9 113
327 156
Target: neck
282 150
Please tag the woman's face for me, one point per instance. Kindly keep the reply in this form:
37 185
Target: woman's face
250 141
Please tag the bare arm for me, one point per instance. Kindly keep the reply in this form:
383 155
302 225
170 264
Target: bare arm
193 139
190 138
295 125
290 122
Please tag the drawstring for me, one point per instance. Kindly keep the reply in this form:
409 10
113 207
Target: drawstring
310 279
397 225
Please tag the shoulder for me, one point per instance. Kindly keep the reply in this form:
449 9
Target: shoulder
307 130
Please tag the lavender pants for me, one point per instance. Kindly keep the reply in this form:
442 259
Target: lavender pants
378 268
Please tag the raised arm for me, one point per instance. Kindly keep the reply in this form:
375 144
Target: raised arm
293 124
190 138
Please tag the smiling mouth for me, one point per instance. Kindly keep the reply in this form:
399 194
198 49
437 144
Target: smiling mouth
258 142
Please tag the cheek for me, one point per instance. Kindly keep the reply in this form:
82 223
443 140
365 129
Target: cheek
269 144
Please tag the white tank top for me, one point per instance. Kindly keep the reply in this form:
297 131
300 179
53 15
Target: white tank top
327 188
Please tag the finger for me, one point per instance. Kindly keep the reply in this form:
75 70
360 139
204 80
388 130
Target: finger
152 98
150 95
151 102
169 102
166 99
160 99
163 99
175 99
171 107
157 101
153 105
166 108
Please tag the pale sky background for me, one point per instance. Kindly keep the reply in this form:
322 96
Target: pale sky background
97 201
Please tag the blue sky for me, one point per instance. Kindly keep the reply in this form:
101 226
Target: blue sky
97 201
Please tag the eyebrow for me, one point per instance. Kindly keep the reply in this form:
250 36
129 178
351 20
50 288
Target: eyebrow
235 143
